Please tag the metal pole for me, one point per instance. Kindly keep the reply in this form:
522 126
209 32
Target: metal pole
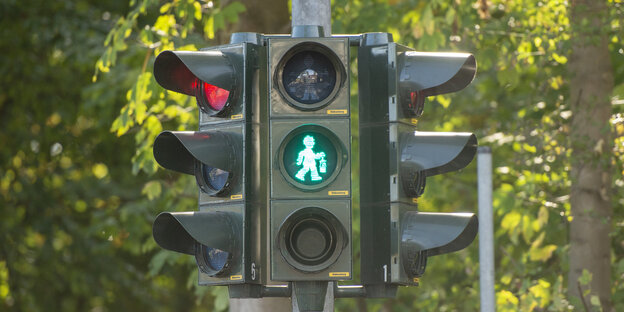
486 229
312 12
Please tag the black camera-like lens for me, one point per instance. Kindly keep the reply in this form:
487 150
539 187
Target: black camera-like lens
211 180
212 261
215 177
309 77
311 239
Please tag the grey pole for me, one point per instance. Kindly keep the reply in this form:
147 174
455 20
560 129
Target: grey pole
486 229
312 12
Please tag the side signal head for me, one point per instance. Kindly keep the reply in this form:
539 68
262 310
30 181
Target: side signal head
424 74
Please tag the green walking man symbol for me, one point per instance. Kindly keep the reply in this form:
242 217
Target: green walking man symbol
307 158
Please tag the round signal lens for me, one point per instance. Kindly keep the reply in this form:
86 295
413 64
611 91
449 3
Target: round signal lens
311 239
211 180
310 157
215 177
309 77
414 183
216 258
212 261
416 103
210 98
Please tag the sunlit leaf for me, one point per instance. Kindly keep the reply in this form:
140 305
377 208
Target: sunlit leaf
506 298
585 278
541 253
152 189
100 170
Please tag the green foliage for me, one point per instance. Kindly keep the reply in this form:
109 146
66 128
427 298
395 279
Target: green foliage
77 197
518 105
74 226
79 187
149 28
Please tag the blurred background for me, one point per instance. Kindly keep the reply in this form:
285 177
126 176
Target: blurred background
79 111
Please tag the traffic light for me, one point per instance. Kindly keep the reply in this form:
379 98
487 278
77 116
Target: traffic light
272 161
225 156
310 167
396 159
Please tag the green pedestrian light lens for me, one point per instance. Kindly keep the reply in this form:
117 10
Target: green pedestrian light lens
310 157
307 158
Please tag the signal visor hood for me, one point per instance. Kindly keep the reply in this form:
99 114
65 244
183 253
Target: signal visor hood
437 233
179 231
178 70
437 152
178 150
435 73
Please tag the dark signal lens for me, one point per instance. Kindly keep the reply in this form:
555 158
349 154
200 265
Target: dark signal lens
216 258
212 181
212 261
210 98
414 183
215 177
311 239
309 77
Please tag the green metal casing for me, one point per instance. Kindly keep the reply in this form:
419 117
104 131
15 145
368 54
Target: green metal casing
395 159
287 196
238 147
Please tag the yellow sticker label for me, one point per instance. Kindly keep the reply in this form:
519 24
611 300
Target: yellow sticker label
236 277
336 193
238 196
336 112
414 120
338 274
415 200
239 116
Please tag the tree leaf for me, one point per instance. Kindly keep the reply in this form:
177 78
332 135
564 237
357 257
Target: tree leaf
152 190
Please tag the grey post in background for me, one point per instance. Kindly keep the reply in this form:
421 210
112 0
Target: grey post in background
486 229
312 12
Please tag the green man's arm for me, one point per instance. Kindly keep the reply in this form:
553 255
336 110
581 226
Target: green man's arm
300 158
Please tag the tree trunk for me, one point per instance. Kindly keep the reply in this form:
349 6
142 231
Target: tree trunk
267 16
264 17
591 87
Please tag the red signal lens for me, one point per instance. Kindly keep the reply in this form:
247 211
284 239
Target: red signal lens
413 100
210 98
417 103
215 96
